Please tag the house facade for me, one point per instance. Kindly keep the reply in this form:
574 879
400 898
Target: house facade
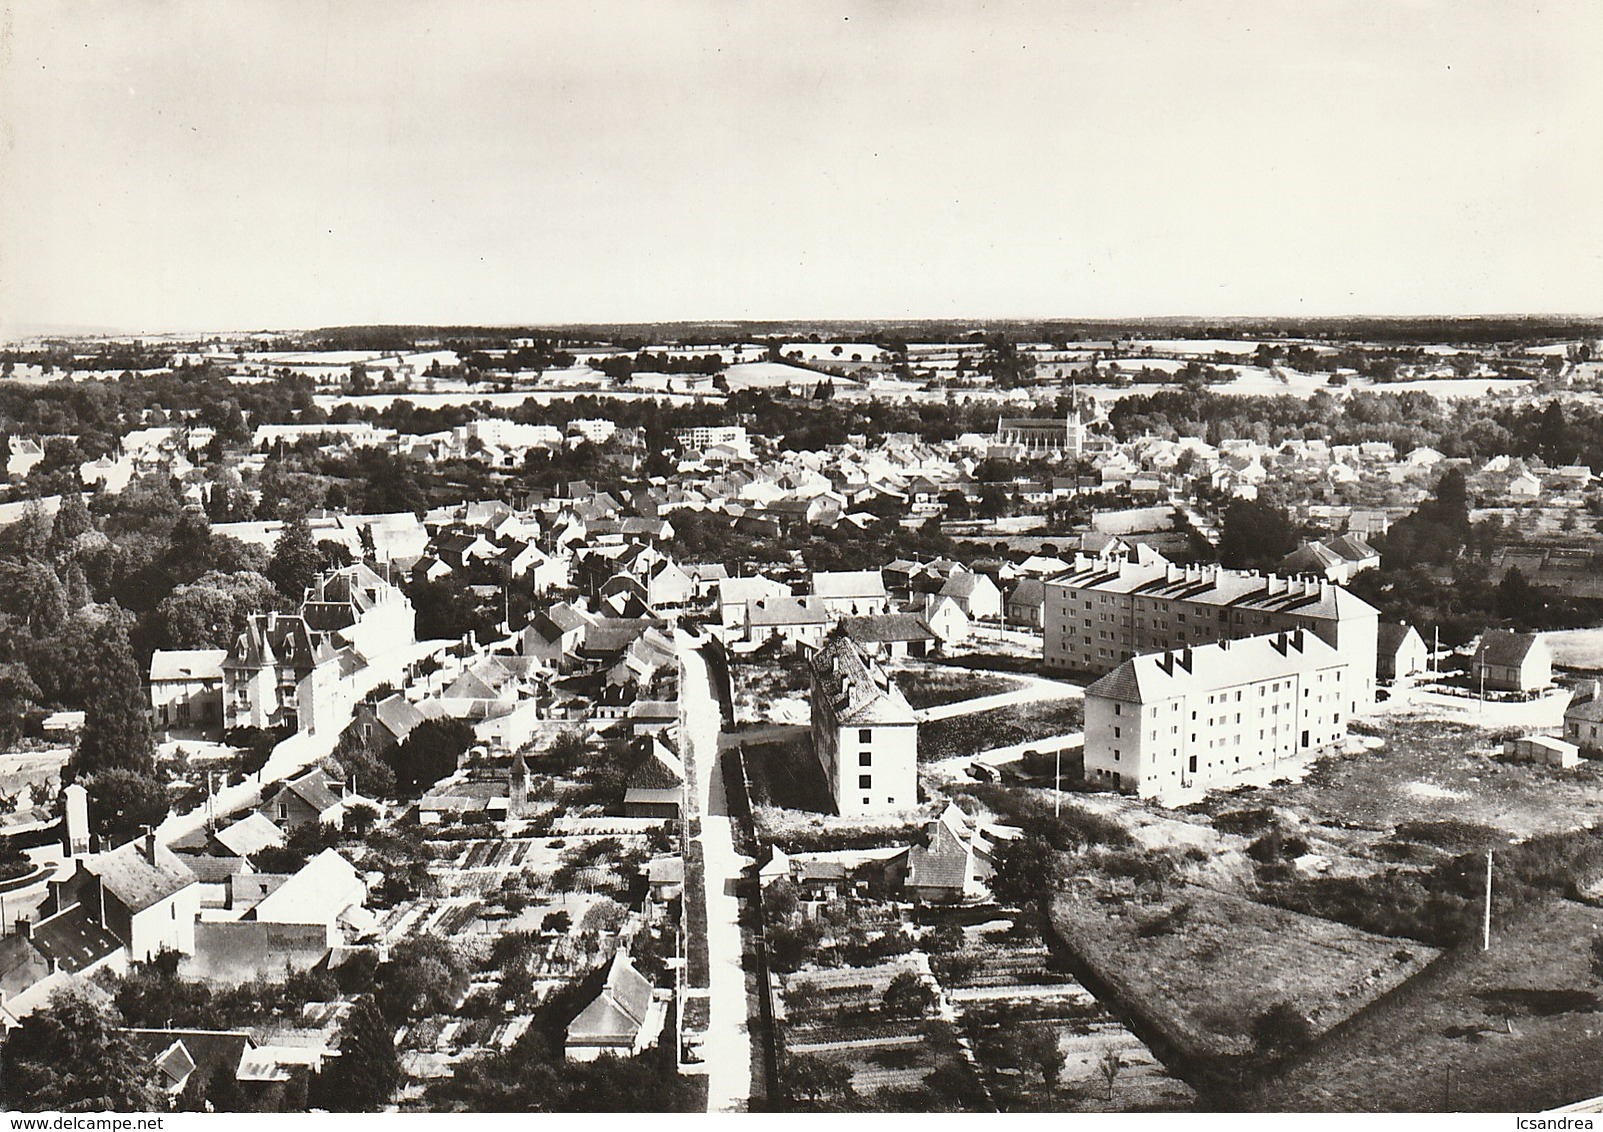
1199 715
865 734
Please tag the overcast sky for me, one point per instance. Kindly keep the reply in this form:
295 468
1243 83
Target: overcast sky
292 164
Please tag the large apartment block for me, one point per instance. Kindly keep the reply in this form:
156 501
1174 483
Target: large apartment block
1195 716
1107 609
864 731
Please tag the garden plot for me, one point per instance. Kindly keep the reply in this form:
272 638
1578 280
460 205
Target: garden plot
1040 1038
841 1016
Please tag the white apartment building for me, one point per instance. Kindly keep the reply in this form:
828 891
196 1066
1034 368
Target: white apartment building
1106 609
704 436
1197 716
864 732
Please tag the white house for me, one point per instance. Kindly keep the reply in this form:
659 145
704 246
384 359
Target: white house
865 733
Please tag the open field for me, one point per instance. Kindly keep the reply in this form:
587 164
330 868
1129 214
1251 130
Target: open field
933 686
1513 1029
1206 965
1428 770
1576 648
963 735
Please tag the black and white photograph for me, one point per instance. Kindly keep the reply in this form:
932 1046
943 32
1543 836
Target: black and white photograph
846 557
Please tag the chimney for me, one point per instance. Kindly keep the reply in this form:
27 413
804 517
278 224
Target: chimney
272 620
24 927
148 845
1185 658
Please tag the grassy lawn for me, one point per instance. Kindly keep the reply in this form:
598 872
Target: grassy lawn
934 686
964 735
1205 965
1517 1027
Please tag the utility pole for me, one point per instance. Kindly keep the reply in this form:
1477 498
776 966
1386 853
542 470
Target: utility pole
1057 785
1486 929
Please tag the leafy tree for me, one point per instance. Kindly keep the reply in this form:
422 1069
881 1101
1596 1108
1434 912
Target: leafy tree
814 1080
1517 599
423 976
367 1071
429 753
72 520
1109 1066
122 802
1038 1047
1255 535
73 1056
296 559
18 693
214 609
908 996
116 730
1025 870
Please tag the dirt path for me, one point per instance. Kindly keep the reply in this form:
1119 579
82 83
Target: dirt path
1036 690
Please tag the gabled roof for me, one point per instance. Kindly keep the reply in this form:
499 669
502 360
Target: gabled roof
323 888
887 628
1154 677
660 767
1505 649
137 881
784 611
249 835
1391 635
201 1050
74 939
313 788
947 861
854 689
848 584
617 1014
1028 591
398 715
187 664
1352 548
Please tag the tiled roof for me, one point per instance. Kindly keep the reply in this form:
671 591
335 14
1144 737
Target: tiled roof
137 881
854 689
616 1015
1505 649
74 940
1152 677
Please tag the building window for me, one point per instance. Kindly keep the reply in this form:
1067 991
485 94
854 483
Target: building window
865 781
865 734
864 758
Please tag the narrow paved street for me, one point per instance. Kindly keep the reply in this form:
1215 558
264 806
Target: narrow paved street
727 1050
